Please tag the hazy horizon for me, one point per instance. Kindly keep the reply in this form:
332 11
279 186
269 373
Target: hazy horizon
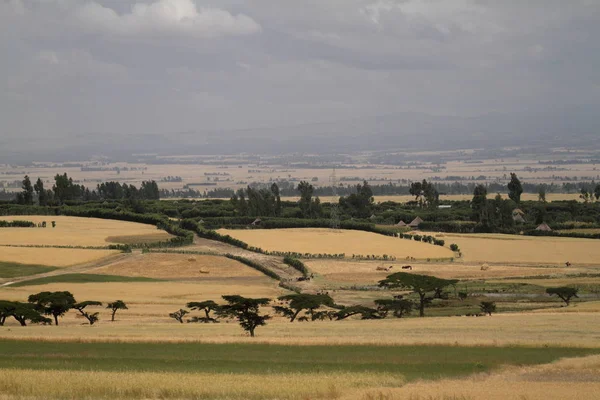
176 76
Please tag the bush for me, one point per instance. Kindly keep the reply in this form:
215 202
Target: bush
296 264
454 247
255 265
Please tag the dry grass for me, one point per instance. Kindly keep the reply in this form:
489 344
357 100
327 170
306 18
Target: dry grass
567 379
71 231
532 329
497 248
345 271
33 384
581 230
54 257
320 240
178 266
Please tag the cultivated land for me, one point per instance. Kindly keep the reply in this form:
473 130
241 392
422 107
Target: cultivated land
54 257
144 354
329 241
515 249
74 231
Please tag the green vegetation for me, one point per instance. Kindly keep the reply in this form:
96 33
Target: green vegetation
82 278
15 270
415 362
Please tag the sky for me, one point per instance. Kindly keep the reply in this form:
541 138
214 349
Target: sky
119 67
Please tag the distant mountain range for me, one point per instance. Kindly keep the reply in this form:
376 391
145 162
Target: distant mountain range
404 131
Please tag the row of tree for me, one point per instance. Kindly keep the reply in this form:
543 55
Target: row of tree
65 189
42 305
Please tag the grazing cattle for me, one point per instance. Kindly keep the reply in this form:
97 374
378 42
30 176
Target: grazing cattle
407 267
381 268
568 264
484 267
303 278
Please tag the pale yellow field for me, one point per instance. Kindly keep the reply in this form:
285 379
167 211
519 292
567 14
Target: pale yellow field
50 256
32 384
176 266
535 329
497 248
566 379
365 271
581 230
71 231
320 240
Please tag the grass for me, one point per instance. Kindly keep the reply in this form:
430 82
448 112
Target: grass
81 278
413 362
14 270
328 241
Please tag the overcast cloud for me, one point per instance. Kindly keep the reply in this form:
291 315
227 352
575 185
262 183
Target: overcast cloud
77 67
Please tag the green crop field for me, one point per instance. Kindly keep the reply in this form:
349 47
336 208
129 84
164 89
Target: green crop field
82 278
14 270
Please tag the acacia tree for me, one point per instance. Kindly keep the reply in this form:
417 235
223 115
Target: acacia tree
53 303
565 293
246 311
488 307
22 312
419 284
365 312
515 189
178 315
207 306
397 307
296 303
91 317
115 306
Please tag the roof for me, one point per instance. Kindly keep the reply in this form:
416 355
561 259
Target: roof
518 211
518 218
401 223
543 227
416 222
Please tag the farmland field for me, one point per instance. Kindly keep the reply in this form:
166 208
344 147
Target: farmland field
497 248
328 241
74 231
55 257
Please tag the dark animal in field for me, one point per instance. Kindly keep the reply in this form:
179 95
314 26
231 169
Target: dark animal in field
407 267
303 278
568 264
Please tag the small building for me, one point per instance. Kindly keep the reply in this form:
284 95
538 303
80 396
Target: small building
544 227
416 222
401 223
444 206
518 218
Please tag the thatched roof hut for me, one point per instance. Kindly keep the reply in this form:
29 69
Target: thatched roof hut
544 227
401 223
416 222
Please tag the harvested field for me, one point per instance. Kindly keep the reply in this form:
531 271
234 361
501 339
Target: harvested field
149 322
328 241
72 231
589 231
498 248
345 271
55 257
138 239
180 266
568 379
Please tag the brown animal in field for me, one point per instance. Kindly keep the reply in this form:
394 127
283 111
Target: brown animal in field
384 268
568 264
204 271
484 267
407 267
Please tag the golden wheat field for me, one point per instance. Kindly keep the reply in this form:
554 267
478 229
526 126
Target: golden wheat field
178 266
32 384
73 231
576 329
498 248
566 379
55 257
321 240
366 271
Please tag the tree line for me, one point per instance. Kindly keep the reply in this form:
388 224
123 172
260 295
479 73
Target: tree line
39 307
65 190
